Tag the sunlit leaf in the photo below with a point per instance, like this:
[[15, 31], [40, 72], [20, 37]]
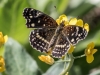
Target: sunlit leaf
[[18, 61]]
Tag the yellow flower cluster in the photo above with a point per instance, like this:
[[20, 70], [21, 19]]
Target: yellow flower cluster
[[47, 59], [3, 39], [2, 64], [72, 21]]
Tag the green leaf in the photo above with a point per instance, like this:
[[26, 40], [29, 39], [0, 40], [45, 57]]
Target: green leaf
[[18, 61], [61, 66], [80, 10], [12, 21], [0, 74], [56, 69], [62, 5]]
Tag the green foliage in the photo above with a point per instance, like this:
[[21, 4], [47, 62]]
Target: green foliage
[[11, 20], [18, 61], [25, 62]]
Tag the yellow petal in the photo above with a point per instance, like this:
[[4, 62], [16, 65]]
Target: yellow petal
[[90, 45], [86, 26], [42, 57], [2, 64], [88, 51], [1, 39], [1, 34], [71, 49], [6, 38], [58, 22], [66, 23], [73, 21], [94, 51], [67, 73], [47, 59], [89, 58], [2, 69], [79, 23], [63, 18]]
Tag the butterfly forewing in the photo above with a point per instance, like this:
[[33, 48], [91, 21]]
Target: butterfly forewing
[[37, 19], [74, 33]]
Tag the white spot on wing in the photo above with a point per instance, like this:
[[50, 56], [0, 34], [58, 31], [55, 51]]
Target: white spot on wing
[[79, 34], [72, 40], [43, 24], [72, 34], [38, 21], [32, 24], [31, 16], [38, 36], [31, 9], [62, 46], [77, 29], [29, 20]]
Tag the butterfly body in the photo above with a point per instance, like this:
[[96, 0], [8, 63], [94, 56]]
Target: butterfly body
[[56, 35], [49, 36]]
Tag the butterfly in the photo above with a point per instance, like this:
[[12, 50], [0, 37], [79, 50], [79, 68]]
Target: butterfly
[[48, 36]]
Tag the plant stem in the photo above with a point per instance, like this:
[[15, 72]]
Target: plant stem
[[69, 65], [65, 63], [62, 61], [79, 56]]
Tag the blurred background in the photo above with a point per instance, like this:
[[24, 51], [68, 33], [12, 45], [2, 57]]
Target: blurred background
[[12, 23]]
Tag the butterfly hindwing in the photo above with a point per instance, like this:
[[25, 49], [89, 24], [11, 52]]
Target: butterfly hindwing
[[40, 38], [61, 48], [37, 19]]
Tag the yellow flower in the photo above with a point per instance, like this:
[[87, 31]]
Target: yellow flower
[[67, 73], [86, 26], [89, 51], [2, 64], [3, 39], [61, 19], [71, 49], [47, 59], [72, 21]]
